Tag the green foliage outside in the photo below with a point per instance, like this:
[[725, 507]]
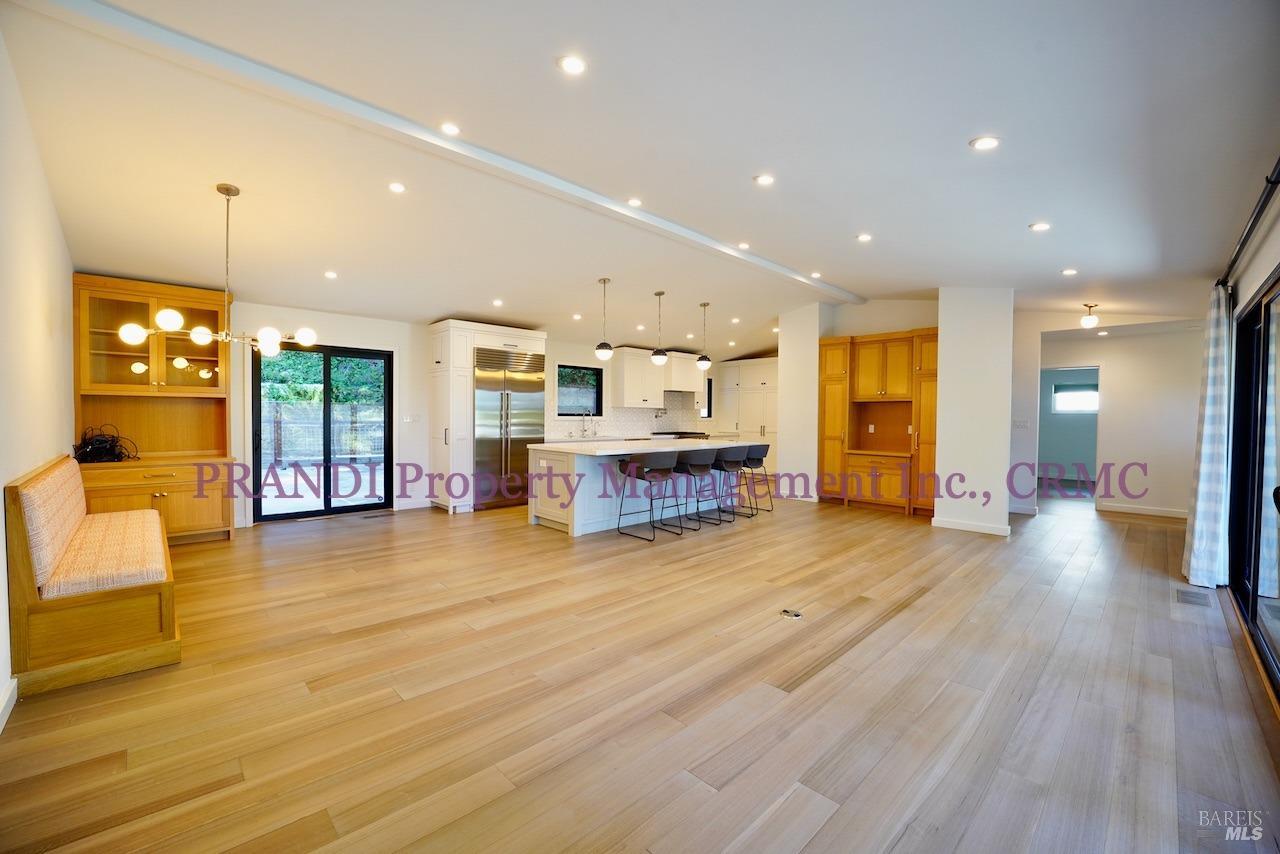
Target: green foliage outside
[[297, 376]]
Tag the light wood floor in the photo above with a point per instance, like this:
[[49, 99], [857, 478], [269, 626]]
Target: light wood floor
[[470, 683]]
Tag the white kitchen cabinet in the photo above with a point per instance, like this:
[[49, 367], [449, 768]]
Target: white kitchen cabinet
[[758, 373], [746, 402], [727, 374], [758, 419], [681, 373], [635, 380], [700, 396]]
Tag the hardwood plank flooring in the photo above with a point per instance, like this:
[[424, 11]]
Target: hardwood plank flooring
[[470, 683]]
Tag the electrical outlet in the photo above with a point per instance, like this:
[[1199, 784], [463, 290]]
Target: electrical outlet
[[871, 428]]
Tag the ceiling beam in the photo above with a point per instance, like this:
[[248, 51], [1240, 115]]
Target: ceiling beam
[[118, 25]]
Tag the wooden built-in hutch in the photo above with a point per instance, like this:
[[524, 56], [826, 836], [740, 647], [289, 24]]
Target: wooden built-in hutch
[[178, 415], [877, 419]]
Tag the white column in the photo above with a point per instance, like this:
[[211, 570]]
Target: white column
[[975, 386], [799, 331]]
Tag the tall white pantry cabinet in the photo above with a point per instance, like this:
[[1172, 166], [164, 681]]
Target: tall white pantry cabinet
[[451, 378], [745, 403]]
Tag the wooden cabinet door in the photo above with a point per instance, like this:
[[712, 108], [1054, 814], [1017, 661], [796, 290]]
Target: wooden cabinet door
[[926, 354], [107, 363], [897, 370], [185, 512], [119, 500], [833, 415], [924, 461], [185, 367], [868, 370], [833, 360]]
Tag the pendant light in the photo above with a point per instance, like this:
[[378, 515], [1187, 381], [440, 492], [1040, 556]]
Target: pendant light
[[268, 339], [704, 361], [604, 352], [1089, 320], [659, 356]]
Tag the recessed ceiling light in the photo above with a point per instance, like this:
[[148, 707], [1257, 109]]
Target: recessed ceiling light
[[864, 238], [776, 329], [572, 65], [450, 129], [329, 274], [497, 303], [634, 202], [984, 143], [1070, 271], [577, 317], [744, 245], [765, 180], [639, 327], [736, 320], [733, 343], [815, 275], [1104, 332], [396, 187], [1039, 226], [688, 336]]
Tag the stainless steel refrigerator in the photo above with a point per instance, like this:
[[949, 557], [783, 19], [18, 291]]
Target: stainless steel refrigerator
[[509, 408]]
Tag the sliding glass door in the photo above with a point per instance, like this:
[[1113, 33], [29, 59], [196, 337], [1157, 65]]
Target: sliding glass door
[[1255, 474], [322, 432]]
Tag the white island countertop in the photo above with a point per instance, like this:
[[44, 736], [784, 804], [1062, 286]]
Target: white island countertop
[[625, 447]]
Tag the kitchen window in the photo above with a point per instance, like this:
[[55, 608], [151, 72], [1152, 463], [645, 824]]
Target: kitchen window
[[579, 390]]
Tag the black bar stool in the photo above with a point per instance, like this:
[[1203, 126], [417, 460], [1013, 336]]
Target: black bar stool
[[696, 465], [653, 470], [729, 462], [755, 463]]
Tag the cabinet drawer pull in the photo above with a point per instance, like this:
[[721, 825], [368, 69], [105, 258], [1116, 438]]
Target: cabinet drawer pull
[[165, 474], [155, 495]]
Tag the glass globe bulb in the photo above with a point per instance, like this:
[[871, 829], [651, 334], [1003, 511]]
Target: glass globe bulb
[[180, 362], [604, 352], [139, 367], [658, 357], [704, 363], [205, 373], [269, 349], [269, 334], [201, 335], [168, 319], [306, 336], [1088, 321], [133, 333]]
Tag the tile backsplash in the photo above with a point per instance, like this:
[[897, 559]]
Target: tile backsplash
[[626, 422]]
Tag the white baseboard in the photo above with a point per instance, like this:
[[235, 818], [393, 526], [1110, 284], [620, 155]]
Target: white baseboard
[[8, 698], [1141, 510], [975, 527], [1024, 509]]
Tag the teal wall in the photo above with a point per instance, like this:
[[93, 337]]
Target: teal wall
[[1067, 438]]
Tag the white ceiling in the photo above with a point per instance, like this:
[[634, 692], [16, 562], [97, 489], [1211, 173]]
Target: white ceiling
[[1140, 129]]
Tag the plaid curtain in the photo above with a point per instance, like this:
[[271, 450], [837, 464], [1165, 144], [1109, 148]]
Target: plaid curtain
[[1204, 561]]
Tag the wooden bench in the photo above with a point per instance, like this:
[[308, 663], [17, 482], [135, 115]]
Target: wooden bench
[[90, 594]]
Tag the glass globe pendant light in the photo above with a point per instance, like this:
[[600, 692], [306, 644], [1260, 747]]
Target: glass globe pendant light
[[659, 356], [1089, 320], [704, 361], [604, 352]]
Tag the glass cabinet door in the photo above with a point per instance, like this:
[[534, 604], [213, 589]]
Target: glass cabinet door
[[107, 362], [190, 367]]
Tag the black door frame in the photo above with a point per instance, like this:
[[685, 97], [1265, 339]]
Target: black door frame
[[388, 435], [1249, 400]]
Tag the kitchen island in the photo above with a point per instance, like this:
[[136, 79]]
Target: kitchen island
[[575, 486]]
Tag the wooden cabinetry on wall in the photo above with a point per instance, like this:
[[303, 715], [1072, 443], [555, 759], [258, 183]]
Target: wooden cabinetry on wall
[[167, 395], [877, 408]]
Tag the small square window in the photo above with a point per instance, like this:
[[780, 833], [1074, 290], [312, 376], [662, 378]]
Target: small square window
[[579, 390], [1075, 397]]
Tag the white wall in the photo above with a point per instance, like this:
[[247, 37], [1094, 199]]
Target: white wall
[[408, 345], [798, 334], [1028, 327], [35, 325], [883, 315], [1149, 387], [618, 422], [975, 386]]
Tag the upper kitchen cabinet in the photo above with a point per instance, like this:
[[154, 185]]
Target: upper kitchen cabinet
[[758, 373], [681, 373], [636, 381], [926, 347], [882, 368]]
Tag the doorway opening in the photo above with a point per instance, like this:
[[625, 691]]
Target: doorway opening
[[1067, 452], [321, 432]]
